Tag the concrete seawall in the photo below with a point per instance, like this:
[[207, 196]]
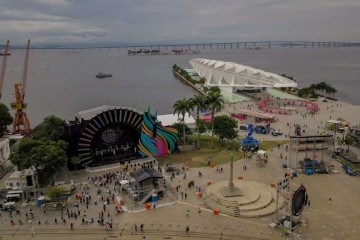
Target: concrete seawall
[[188, 82]]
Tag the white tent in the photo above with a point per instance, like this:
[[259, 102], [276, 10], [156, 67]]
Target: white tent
[[261, 152], [170, 119]]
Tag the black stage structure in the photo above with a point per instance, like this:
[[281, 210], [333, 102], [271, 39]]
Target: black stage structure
[[103, 135]]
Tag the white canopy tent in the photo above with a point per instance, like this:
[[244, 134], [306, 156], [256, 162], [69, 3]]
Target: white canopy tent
[[170, 119]]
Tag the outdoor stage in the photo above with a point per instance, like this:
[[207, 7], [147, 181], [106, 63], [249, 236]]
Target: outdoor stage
[[111, 134]]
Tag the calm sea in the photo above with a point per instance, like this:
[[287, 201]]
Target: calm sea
[[64, 84]]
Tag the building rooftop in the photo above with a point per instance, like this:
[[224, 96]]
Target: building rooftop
[[220, 73], [144, 174], [91, 113], [170, 119], [23, 173]]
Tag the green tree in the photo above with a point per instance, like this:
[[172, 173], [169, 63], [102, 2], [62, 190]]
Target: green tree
[[198, 101], [45, 156], [349, 140], [179, 127], [5, 118], [224, 127], [215, 89], [58, 193], [202, 125], [76, 161], [52, 128], [181, 108], [216, 103]]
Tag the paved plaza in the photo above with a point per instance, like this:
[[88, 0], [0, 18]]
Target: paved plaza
[[327, 220]]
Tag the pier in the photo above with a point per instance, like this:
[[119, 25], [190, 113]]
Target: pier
[[188, 82], [209, 46]]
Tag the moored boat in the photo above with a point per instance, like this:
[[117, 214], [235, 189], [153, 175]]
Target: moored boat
[[103, 75]]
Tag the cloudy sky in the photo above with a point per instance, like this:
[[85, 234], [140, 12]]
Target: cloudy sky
[[177, 21]]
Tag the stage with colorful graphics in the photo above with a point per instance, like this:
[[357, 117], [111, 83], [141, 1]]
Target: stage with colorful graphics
[[111, 134]]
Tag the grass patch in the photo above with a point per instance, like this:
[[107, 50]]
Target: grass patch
[[219, 154], [355, 166]]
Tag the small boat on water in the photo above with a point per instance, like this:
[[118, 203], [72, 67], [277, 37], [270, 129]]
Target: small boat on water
[[103, 75]]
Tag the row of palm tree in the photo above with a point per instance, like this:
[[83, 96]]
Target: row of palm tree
[[213, 101], [324, 87], [313, 90]]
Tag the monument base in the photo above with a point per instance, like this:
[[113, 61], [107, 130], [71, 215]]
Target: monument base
[[233, 192]]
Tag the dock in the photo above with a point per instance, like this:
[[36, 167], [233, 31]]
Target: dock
[[189, 83]]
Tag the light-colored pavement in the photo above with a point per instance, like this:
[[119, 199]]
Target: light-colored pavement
[[326, 221]]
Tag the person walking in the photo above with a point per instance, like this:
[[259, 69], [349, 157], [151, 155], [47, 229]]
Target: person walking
[[142, 227], [330, 199], [188, 213], [72, 226], [187, 229], [309, 203]]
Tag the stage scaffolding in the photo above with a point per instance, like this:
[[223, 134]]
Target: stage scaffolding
[[313, 147]]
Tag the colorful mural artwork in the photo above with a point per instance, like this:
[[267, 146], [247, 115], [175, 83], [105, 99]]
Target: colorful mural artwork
[[156, 140]]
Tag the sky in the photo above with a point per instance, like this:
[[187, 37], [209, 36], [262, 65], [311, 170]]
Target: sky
[[62, 22]]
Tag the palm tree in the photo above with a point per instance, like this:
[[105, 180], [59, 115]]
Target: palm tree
[[181, 107], [198, 101], [215, 102]]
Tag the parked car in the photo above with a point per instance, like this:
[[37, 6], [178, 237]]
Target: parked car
[[349, 171], [276, 133]]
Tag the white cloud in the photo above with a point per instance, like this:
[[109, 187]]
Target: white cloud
[[173, 21], [54, 2]]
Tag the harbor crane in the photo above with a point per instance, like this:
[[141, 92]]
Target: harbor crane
[[2, 74], [21, 122]]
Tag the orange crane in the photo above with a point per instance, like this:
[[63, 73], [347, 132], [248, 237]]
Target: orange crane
[[2, 74], [21, 122]]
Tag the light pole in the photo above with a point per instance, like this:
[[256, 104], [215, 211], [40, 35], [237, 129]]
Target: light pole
[[32, 229]]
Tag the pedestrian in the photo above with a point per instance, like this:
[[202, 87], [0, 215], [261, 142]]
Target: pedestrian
[[72, 226], [330, 199], [182, 194], [187, 229], [245, 167], [142, 227], [309, 202], [188, 213], [144, 238], [185, 196]]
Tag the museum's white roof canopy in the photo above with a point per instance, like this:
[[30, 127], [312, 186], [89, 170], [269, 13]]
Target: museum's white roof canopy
[[220, 73]]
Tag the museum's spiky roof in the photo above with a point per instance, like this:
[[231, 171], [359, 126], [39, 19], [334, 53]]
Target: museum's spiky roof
[[220, 73]]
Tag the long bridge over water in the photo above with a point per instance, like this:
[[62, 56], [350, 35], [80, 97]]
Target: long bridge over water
[[218, 45]]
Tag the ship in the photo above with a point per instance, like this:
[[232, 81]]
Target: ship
[[103, 75]]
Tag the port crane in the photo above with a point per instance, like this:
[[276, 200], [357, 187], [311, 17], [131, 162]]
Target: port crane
[[21, 122], [2, 74]]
